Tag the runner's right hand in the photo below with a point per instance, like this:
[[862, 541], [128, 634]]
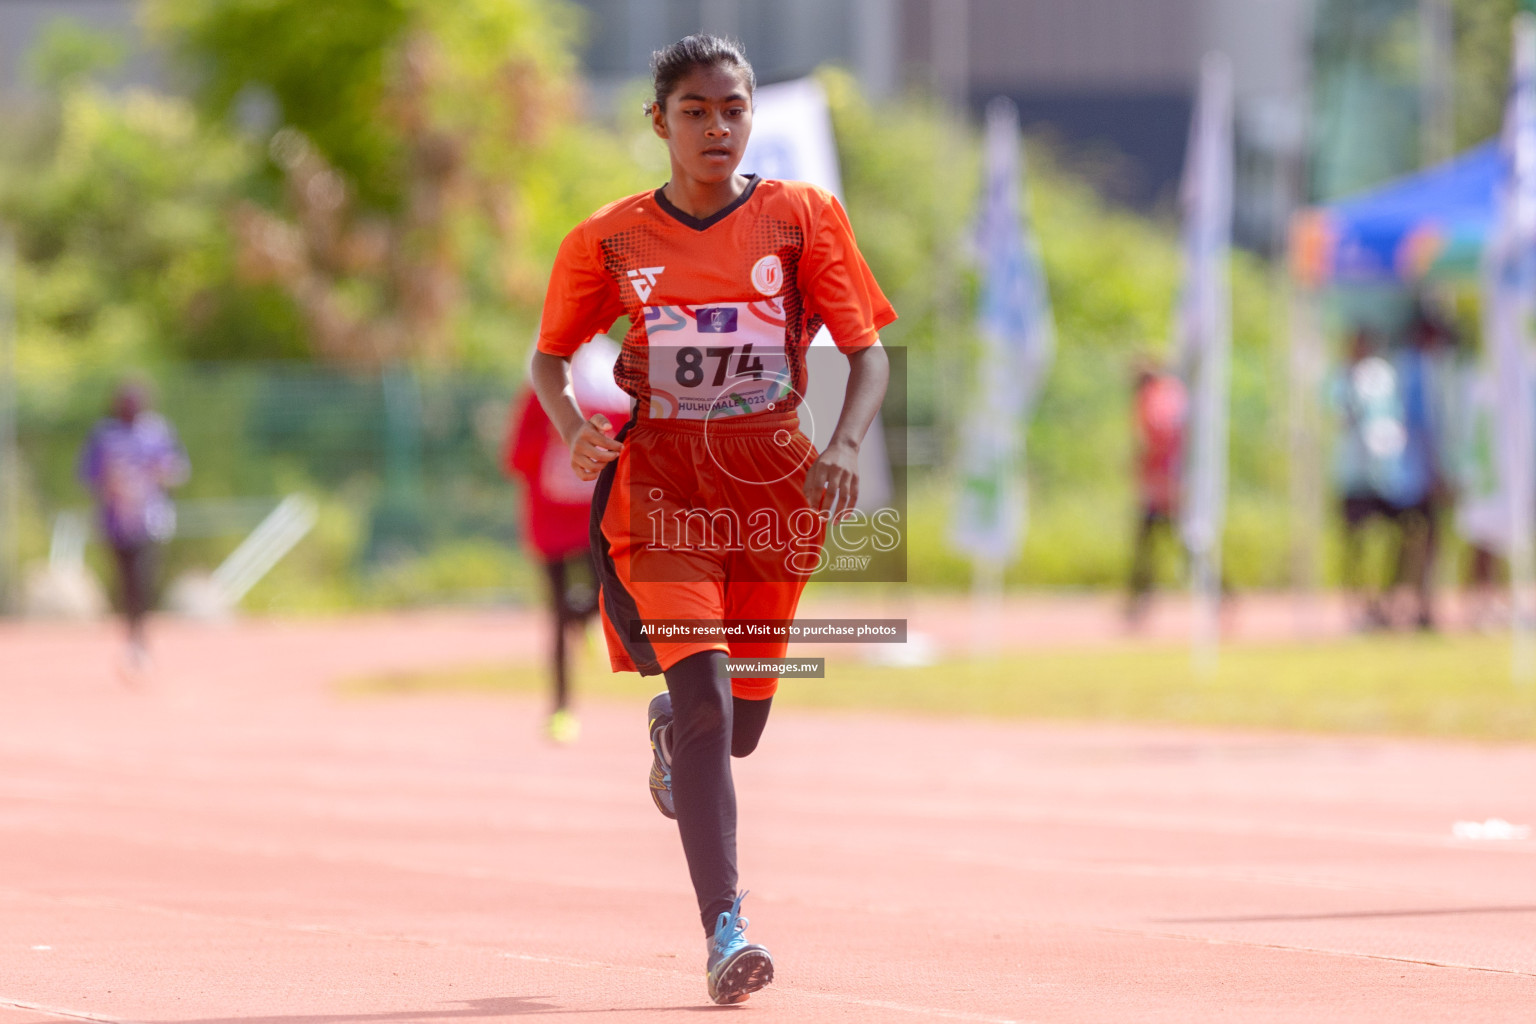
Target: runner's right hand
[[592, 447]]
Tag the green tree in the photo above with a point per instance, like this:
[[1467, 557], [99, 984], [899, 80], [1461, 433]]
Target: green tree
[[1481, 81], [404, 137], [70, 52], [116, 201]]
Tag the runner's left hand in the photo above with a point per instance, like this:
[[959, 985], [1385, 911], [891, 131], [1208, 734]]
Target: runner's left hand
[[832, 484]]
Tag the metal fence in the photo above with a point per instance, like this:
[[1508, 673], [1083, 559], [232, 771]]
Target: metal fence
[[412, 458]]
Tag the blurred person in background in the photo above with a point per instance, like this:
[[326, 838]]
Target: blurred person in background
[[1421, 367], [1160, 410], [1367, 465], [556, 507], [129, 462]]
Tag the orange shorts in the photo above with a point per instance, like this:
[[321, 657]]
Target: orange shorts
[[704, 520]]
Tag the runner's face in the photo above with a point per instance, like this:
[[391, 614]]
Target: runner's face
[[706, 122]]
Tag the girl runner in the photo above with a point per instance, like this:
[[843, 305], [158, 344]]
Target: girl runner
[[710, 502]]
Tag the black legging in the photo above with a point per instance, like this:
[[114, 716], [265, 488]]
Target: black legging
[[1141, 555], [706, 731], [1417, 546], [573, 598], [136, 577]]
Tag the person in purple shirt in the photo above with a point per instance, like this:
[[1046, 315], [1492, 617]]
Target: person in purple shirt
[[130, 460]]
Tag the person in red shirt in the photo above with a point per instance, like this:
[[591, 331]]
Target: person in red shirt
[[711, 503], [556, 506], [1160, 409]]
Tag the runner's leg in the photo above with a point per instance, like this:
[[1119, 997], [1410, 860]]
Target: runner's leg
[[554, 572], [748, 719], [136, 566], [702, 788], [1140, 586]]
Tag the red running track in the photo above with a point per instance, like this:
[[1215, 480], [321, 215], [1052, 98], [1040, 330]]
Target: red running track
[[241, 844]]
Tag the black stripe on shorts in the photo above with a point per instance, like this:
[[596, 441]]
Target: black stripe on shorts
[[618, 603]]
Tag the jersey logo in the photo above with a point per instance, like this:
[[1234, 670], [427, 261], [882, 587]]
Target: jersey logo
[[768, 275], [644, 280]]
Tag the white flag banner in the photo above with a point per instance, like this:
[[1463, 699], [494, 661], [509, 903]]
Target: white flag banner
[[792, 136], [792, 140], [1482, 507], [1509, 302], [1204, 335], [1018, 342]]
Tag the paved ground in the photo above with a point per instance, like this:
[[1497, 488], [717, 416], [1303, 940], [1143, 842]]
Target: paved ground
[[240, 844]]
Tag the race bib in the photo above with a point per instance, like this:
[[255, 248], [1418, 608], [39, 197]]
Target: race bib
[[723, 359]]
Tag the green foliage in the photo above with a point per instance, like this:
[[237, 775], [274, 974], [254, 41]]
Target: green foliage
[[1481, 80], [402, 133], [1420, 686], [323, 64], [911, 177], [338, 72], [68, 52], [1367, 55], [1364, 107], [124, 254], [582, 165]]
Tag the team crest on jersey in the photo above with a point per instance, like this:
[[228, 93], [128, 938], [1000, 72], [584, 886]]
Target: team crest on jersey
[[768, 275], [643, 281]]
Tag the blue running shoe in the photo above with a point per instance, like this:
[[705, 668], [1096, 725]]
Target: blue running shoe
[[659, 717], [736, 967]]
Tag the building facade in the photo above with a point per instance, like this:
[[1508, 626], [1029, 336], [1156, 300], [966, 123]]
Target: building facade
[[1116, 75]]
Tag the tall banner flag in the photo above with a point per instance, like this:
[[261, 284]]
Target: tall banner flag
[[1204, 340], [1018, 341], [792, 135], [792, 140], [1509, 286]]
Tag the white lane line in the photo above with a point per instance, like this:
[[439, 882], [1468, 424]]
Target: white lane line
[[319, 929], [353, 857], [54, 1011], [900, 911], [1211, 940], [436, 943], [879, 1004]]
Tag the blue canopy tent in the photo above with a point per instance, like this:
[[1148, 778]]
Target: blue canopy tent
[[1423, 227]]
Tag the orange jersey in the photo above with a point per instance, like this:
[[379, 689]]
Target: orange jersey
[[721, 309]]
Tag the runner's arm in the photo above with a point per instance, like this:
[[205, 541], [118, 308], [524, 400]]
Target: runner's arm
[[834, 477], [591, 447]]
